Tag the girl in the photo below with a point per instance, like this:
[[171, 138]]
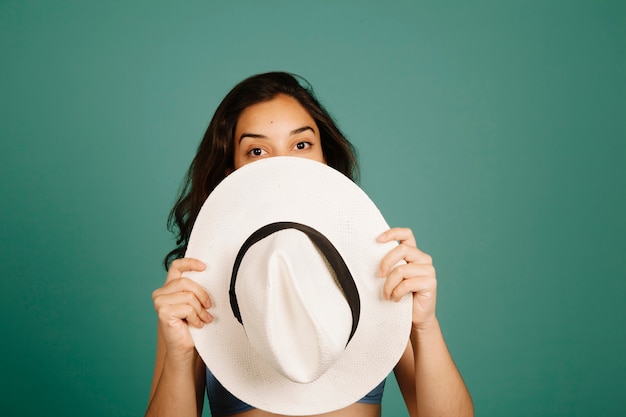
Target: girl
[[270, 115]]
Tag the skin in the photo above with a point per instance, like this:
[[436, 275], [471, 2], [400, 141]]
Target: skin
[[281, 127]]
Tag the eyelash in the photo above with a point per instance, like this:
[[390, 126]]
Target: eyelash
[[250, 153]]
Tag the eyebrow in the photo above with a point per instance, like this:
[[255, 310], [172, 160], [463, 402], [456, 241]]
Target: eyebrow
[[293, 132]]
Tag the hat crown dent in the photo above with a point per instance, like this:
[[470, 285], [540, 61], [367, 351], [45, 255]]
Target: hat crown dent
[[294, 313]]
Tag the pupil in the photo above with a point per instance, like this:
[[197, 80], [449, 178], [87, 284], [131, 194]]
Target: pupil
[[256, 152], [300, 145]]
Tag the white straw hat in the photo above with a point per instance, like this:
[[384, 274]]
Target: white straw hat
[[300, 323]]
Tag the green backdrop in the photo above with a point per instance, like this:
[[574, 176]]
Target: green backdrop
[[495, 129]]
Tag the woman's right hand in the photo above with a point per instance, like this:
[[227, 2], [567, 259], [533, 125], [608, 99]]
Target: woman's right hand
[[181, 302]]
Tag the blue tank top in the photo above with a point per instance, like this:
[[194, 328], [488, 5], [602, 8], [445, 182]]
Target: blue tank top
[[223, 403]]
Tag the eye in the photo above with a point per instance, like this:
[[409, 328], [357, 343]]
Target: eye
[[256, 152], [303, 145]]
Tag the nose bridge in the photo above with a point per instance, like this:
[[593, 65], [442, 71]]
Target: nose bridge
[[280, 147], [280, 152]]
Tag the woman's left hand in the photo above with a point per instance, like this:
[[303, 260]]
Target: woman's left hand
[[417, 276]]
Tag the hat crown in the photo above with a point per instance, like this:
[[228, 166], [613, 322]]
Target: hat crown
[[294, 313]]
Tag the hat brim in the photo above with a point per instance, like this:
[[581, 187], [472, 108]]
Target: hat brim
[[307, 192]]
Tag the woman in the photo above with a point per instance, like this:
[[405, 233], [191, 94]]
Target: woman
[[273, 115]]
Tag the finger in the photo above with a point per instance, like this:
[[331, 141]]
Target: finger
[[401, 234], [183, 297], [421, 286], [173, 314], [396, 285], [181, 265], [184, 285], [402, 252]]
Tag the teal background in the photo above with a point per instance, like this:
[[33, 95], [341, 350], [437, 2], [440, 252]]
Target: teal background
[[495, 129]]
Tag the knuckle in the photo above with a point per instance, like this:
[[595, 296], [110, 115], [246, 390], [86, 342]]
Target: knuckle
[[185, 282], [177, 282], [394, 276], [172, 274], [433, 282], [407, 248], [188, 311], [159, 301], [399, 291], [190, 297], [162, 313], [176, 268], [176, 263]]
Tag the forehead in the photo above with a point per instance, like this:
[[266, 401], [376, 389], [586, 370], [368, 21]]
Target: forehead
[[281, 109]]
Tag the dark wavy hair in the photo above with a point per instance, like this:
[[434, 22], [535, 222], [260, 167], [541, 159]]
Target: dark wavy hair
[[215, 156]]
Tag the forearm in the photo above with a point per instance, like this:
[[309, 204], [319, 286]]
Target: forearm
[[176, 391], [440, 390]]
